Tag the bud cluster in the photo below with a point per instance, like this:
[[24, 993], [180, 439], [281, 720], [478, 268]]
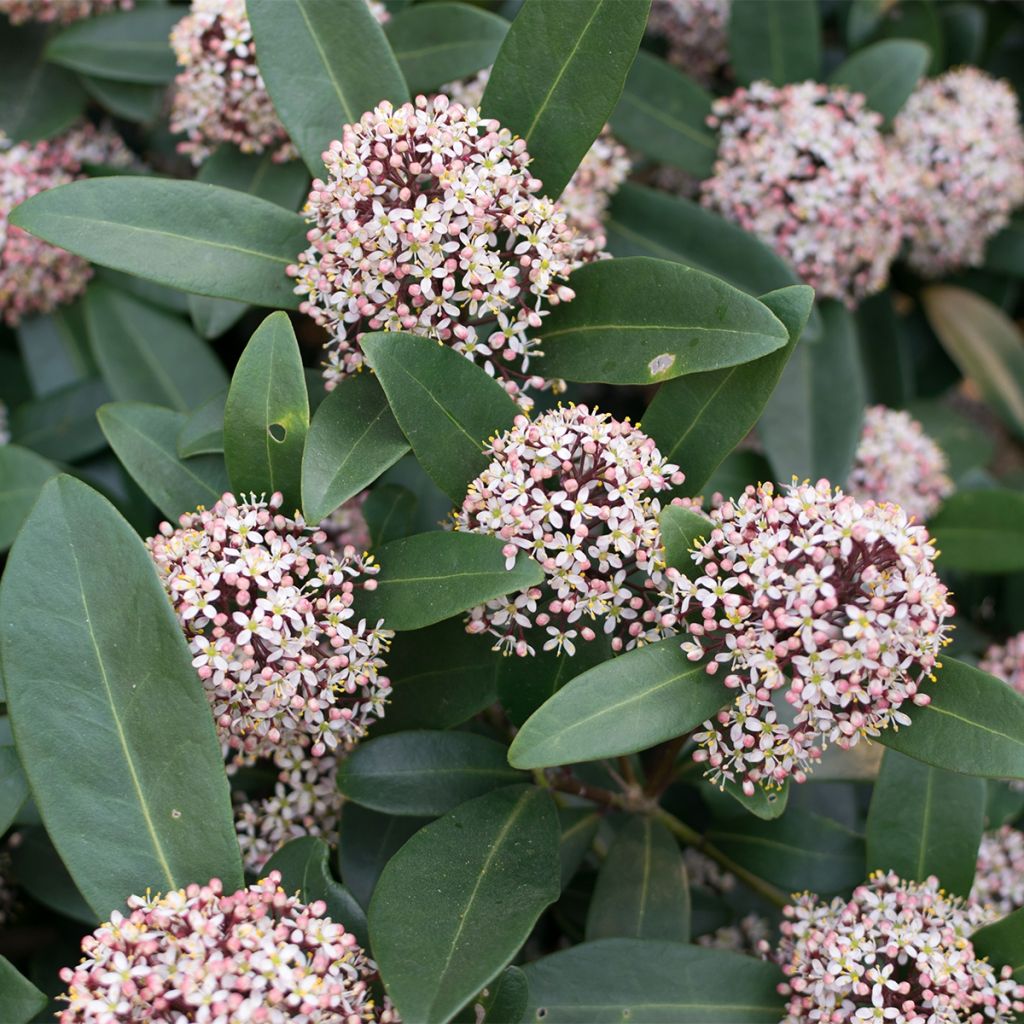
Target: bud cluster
[[999, 875], [62, 11], [696, 34]]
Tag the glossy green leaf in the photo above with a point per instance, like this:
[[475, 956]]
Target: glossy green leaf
[[579, 826], [925, 821], [737, 471], [55, 349], [698, 419], [144, 438], [917, 19], [964, 27], [981, 531], [202, 431], [775, 40], [886, 73], [502, 1002], [640, 321], [974, 724], [22, 475], [765, 804], [389, 511], [558, 76], [13, 784], [171, 299], [663, 114], [432, 576], [41, 873], [681, 528], [439, 936], [810, 428], [267, 414], [885, 351], [446, 405], [139, 799], [650, 982], [438, 44], [1003, 943], [352, 439], [127, 100], [641, 890], [325, 63], [966, 444], [624, 705], [424, 774], [199, 238], [20, 1000], [126, 46], [1005, 252], [62, 425]]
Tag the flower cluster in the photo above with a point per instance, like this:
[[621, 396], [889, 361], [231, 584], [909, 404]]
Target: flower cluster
[[897, 461], [999, 875], [574, 490], [895, 952], [429, 222], [696, 34], [63, 11], [274, 627], [36, 277], [959, 137], [745, 935], [811, 596], [805, 168], [1006, 662], [197, 954]]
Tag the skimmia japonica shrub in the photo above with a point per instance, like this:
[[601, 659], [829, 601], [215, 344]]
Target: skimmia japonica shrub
[[511, 512]]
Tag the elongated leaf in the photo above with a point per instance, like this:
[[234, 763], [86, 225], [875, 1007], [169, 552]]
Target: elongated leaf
[[925, 821], [325, 63], [267, 414], [139, 799], [352, 439], [389, 511], [40, 872], [765, 804], [424, 774], [1003, 943], [663, 114], [920, 20], [680, 529], [127, 46], [20, 1000], [202, 431], [127, 100], [432, 576], [62, 425], [446, 41], [885, 352], [811, 428], [22, 475], [775, 40], [144, 439], [579, 826], [439, 937], [886, 73], [622, 706], [640, 321], [641, 890], [501, 1001], [13, 784], [963, 27], [199, 238], [55, 349], [558, 76], [1005, 252], [974, 724], [698, 419], [981, 531], [652, 983]]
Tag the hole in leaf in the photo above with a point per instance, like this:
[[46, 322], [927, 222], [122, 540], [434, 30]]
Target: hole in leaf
[[277, 432]]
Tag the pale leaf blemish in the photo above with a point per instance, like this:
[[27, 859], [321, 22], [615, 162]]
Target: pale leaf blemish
[[659, 364]]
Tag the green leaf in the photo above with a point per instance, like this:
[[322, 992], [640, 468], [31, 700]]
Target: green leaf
[[144, 438], [432, 576], [810, 427], [698, 419], [640, 321], [559, 75], [579, 826], [62, 425], [985, 344], [663, 114], [965, 442], [22, 475], [424, 774], [20, 1000], [650, 982], [128, 100], [352, 439], [641, 890], [925, 821], [446, 405], [1003, 943], [885, 351], [737, 471], [681, 528], [501, 1002], [764, 804], [146, 355], [886, 73], [41, 873], [325, 63], [981, 531], [267, 414], [775, 40], [13, 784], [389, 511], [439, 936], [202, 431], [126, 46], [1005, 252], [305, 871], [138, 799], [624, 705], [974, 724], [917, 19], [437, 44], [199, 238], [964, 27], [55, 349]]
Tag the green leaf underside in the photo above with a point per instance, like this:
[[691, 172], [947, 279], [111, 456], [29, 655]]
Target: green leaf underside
[[886, 73], [139, 799], [981, 531], [22, 475], [777, 40], [20, 1000]]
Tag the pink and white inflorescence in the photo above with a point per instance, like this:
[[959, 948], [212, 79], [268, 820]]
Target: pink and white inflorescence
[[896, 952], [63, 11], [197, 954], [36, 277], [429, 222], [1006, 662], [696, 33], [347, 525], [810, 596], [805, 168], [574, 490], [999, 875], [274, 626], [960, 140], [897, 461]]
